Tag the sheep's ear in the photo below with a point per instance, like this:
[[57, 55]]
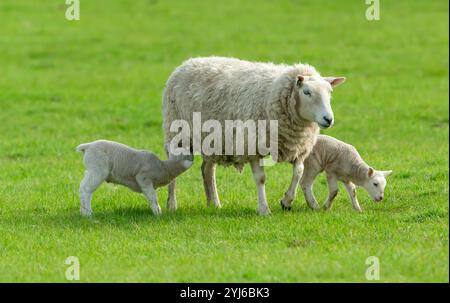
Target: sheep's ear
[[370, 172], [334, 81], [386, 173], [300, 80]]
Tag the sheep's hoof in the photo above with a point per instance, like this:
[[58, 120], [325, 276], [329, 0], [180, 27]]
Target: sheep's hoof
[[171, 205], [284, 207]]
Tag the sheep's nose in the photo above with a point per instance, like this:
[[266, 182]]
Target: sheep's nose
[[329, 120]]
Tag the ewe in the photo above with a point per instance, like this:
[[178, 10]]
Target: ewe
[[139, 170], [231, 89], [341, 162]]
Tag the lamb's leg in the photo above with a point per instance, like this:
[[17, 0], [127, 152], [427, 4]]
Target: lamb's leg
[[333, 189], [209, 182], [306, 184], [351, 190], [289, 196], [260, 179], [171, 197], [152, 198], [91, 181]]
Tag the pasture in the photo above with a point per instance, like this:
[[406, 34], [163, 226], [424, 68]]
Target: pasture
[[67, 82]]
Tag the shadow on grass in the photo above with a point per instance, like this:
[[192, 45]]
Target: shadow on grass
[[125, 216], [141, 215], [132, 216]]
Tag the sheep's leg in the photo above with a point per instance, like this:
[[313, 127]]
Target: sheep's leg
[[209, 182], [171, 197], [88, 185], [306, 184], [260, 179], [333, 189], [351, 190], [206, 175], [289, 196]]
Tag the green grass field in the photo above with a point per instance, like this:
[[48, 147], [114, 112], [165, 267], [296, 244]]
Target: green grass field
[[63, 83]]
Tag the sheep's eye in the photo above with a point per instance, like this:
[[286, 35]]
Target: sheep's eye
[[375, 184], [307, 92]]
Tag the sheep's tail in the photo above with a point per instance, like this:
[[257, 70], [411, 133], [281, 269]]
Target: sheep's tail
[[82, 147]]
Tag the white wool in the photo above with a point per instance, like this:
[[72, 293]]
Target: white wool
[[231, 89], [139, 170], [341, 162]]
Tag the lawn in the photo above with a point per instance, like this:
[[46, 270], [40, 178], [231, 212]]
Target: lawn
[[67, 82]]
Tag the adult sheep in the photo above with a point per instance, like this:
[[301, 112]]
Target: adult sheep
[[232, 89]]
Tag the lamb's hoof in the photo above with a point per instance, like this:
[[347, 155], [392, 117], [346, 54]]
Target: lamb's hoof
[[157, 212], [264, 212], [85, 212], [215, 205], [284, 207]]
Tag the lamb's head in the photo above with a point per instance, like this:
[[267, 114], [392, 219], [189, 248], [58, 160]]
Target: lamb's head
[[178, 164], [186, 161], [313, 95], [376, 183]]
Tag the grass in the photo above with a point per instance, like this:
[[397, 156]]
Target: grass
[[64, 83]]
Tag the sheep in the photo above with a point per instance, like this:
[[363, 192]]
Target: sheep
[[231, 89], [139, 170], [341, 162]]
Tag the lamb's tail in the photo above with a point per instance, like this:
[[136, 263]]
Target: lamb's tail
[[82, 147]]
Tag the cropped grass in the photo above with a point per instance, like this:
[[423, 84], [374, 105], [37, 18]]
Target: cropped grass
[[63, 83]]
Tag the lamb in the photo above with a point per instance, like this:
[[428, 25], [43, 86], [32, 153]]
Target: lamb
[[231, 89], [139, 170], [341, 162]]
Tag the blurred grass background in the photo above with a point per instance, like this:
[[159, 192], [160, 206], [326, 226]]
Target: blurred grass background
[[63, 83]]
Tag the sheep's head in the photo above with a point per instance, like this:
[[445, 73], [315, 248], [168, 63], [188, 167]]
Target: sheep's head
[[313, 95], [376, 183]]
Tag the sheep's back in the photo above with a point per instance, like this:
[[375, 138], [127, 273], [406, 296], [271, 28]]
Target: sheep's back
[[219, 88], [231, 89]]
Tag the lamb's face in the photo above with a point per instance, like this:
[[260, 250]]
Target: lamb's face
[[187, 163], [315, 95], [376, 183]]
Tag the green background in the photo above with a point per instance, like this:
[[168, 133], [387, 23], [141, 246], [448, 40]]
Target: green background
[[63, 83]]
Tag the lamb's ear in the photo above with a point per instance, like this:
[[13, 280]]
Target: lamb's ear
[[386, 173], [370, 172], [334, 81], [300, 80]]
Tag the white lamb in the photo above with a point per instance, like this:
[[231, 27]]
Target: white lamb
[[230, 89], [341, 162], [139, 170]]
